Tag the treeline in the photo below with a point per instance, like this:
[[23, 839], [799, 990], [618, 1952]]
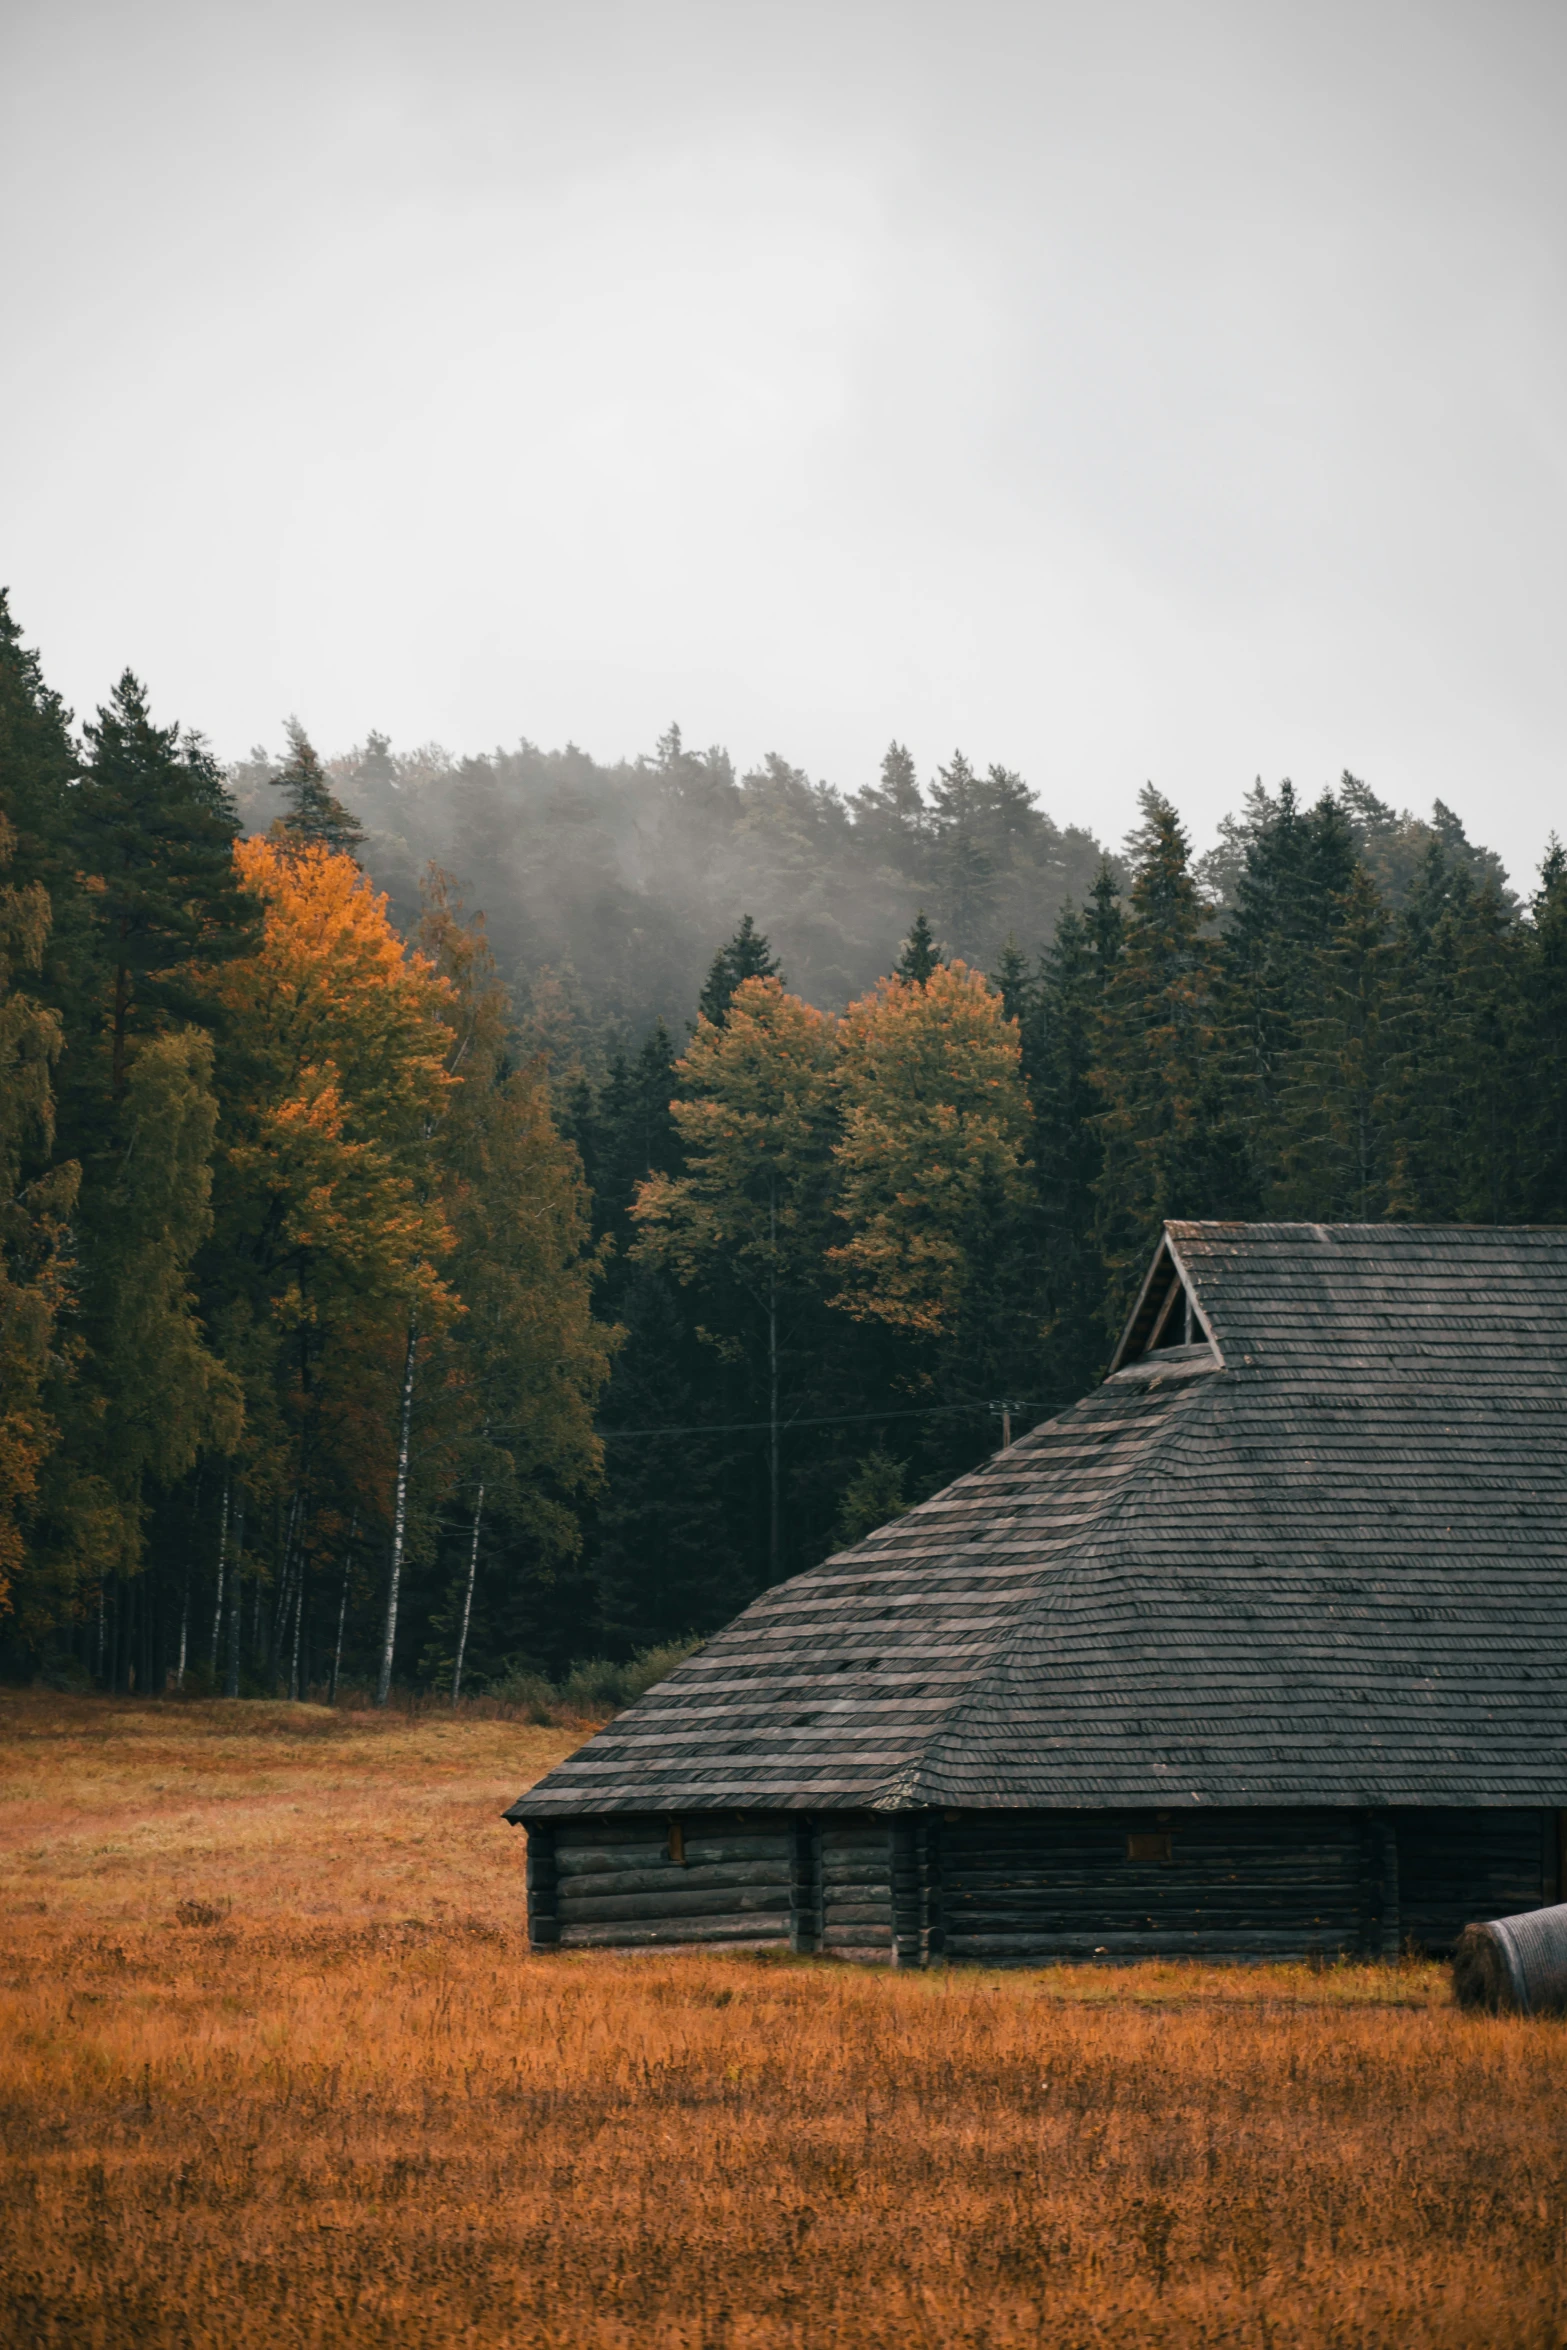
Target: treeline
[[296, 1327], [600, 884], [373, 1311]]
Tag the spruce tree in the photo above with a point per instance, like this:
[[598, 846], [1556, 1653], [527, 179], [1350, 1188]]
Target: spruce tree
[[746, 956], [38, 770], [1061, 1043], [890, 814], [314, 812], [1345, 1145], [919, 955], [155, 831], [36, 1199], [1295, 867], [1543, 1020], [964, 862], [1465, 1064], [1014, 983], [1169, 1149], [660, 1548]]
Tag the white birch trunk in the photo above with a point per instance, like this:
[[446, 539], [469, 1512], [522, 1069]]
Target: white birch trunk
[[467, 1603], [294, 1689], [342, 1608], [217, 1604], [285, 1591], [383, 1687], [236, 1599]]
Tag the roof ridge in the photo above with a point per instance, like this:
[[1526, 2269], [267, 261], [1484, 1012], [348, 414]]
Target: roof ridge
[[903, 1789]]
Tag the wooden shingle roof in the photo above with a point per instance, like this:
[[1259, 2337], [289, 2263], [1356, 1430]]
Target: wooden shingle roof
[[1312, 1549]]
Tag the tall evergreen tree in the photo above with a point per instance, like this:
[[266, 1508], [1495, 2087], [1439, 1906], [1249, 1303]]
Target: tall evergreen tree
[[1543, 1019], [919, 957], [1061, 1048], [1462, 976], [1345, 1155], [155, 830], [890, 814], [746, 956], [36, 1199], [1168, 1147], [663, 1557], [747, 1221], [963, 853], [314, 814], [1295, 867]]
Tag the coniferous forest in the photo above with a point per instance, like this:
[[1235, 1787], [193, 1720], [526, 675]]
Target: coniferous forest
[[463, 1216]]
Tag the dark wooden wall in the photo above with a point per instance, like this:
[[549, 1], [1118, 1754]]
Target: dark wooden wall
[[617, 1882], [1030, 1887], [1458, 1867]]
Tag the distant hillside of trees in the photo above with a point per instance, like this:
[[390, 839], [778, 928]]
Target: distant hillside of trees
[[393, 1295]]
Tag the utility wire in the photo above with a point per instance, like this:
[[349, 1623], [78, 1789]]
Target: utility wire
[[825, 1420]]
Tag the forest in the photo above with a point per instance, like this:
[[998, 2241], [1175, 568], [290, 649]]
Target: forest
[[466, 1217]]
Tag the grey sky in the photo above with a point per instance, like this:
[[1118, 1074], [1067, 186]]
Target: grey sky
[[1167, 391]]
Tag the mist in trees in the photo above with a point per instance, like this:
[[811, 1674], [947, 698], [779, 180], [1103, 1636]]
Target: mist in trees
[[464, 1215]]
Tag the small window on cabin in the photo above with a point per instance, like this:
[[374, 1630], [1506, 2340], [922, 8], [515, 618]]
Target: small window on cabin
[[1152, 1847], [677, 1843]]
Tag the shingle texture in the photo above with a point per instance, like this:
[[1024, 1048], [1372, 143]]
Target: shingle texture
[[1321, 1559]]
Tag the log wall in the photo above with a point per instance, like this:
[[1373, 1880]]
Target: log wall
[[1458, 1868], [1031, 1887], [1018, 1887], [619, 1883]]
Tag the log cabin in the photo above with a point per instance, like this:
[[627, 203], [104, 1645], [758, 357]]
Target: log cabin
[[1259, 1651]]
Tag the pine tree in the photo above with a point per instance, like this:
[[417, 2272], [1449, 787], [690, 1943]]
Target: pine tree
[[919, 957], [1345, 1151], [890, 814], [1168, 1150], [38, 772], [1543, 1018], [36, 1200], [964, 859], [663, 1558], [1465, 1064], [155, 830], [747, 1220], [747, 956], [314, 814], [1294, 867], [513, 1380], [1061, 1046], [1014, 983]]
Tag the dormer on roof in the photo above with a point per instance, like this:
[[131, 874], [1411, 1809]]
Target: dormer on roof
[[1167, 1316]]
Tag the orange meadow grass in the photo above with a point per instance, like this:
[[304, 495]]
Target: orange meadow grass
[[355, 2110]]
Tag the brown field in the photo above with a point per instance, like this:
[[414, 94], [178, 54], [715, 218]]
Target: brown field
[[353, 2109]]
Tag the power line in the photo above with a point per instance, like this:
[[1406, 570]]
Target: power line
[[822, 1420]]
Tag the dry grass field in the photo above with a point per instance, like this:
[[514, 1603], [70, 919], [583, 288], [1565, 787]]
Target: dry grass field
[[276, 2068]]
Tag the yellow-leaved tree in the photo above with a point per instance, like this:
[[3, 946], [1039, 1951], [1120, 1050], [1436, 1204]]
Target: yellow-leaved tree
[[931, 1154], [333, 1234]]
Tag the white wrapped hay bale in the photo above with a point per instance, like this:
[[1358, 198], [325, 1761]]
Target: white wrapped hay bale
[[1514, 1966]]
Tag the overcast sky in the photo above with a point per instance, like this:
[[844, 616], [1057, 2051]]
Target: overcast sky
[[1122, 391]]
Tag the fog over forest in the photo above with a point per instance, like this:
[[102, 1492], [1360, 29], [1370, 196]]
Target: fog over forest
[[606, 889]]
